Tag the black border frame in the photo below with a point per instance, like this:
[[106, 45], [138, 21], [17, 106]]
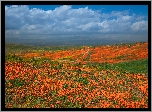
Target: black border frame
[[3, 3]]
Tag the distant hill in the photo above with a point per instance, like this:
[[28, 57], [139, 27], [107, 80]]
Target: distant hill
[[66, 42]]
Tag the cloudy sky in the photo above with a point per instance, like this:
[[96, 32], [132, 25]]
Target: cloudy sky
[[120, 22]]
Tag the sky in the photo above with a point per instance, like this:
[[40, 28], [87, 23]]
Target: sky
[[116, 22]]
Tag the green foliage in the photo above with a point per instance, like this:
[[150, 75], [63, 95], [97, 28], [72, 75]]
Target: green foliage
[[58, 66], [16, 82], [66, 103], [37, 62], [34, 101], [83, 80], [121, 57], [65, 86], [13, 58], [115, 103], [52, 93], [135, 98], [15, 48], [137, 66], [67, 58]]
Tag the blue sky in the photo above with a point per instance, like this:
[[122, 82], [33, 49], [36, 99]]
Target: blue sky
[[107, 8], [128, 22]]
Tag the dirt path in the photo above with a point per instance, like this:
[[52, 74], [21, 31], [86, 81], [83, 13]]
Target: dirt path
[[83, 55], [78, 59]]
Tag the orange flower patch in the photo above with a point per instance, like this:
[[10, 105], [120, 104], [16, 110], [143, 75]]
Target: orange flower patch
[[71, 76]]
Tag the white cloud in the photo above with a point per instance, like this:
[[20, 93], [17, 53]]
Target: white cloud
[[115, 25], [14, 6], [6, 8], [126, 18], [64, 20], [140, 26], [139, 18], [115, 14], [104, 26], [86, 26]]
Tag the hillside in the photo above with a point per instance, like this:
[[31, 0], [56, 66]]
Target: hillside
[[108, 76]]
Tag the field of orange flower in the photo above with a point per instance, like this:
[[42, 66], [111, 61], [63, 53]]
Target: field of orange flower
[[113, 76]]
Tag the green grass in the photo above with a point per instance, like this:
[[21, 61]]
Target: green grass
[[137, 66], [83, 80], [16, 48]]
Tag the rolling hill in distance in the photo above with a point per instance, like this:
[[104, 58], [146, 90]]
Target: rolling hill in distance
[[66, 42]]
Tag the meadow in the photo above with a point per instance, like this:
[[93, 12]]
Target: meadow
[[108, 76]]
